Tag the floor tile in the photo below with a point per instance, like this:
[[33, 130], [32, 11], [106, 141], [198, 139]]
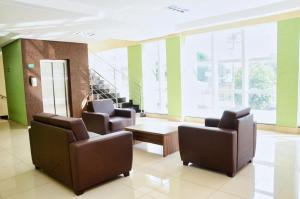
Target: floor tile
[[274, 172], [180, 189], [111, 190], [222, 195], [48, 191], [23, 182]]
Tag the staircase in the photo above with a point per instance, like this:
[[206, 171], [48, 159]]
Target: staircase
[[101, 88]]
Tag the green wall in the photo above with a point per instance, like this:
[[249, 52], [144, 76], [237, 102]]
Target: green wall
[[14, 79], [287, 72], [174, 76], [135, 75]]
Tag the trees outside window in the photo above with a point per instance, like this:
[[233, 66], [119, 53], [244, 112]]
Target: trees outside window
[[229, 69]]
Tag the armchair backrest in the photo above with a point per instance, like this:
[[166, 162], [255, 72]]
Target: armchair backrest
[[76, 125], [230, 117], [101, 106]]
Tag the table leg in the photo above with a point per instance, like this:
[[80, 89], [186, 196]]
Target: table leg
[[170, 144]]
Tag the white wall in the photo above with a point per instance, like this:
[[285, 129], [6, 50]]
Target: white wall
[[3, 103]]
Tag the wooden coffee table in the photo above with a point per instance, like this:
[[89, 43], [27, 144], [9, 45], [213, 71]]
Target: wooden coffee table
[[161, 134]]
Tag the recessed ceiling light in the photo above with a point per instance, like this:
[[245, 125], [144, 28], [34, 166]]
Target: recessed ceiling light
[[177, 9], [84, 34]]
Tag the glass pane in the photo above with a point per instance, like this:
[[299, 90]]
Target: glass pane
[[230, 85], [47, 87], [262, 90], [198, 76], [266, 36], [227, 69], [262, 66], [228, 44], [113, 66], [154, 77], [59, 80]]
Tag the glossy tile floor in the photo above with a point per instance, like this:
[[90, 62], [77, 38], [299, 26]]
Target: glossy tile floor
[[273, 174]]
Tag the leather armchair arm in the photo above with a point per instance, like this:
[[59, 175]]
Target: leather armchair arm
[[96, 122], [208, 146], [100, 158], [125, 112], [212, 122]]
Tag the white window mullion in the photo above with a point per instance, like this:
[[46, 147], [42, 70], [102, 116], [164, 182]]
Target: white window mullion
[[215, 75], [245, 71]]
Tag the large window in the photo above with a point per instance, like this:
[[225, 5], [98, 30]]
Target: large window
[[113, 66], [154, 77], [232, 68]]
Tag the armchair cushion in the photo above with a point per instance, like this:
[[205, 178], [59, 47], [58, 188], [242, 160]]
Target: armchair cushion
[[101, 106], [228, 120], [118, 123]]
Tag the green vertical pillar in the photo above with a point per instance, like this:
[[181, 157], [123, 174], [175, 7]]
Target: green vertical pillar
[[287, 72], [135, 76], [14, 79], [174, 76]]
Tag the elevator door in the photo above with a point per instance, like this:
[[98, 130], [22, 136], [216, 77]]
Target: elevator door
[[54, 80]]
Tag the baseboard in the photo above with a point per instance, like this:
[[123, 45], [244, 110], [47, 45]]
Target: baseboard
[[280, 129], [164, 116], [263, 127]]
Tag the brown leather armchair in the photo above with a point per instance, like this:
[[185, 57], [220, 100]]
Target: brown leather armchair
[[101, 117], [224, 145], [64, 149]]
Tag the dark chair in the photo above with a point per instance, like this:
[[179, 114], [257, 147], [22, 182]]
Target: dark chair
[[64, 149], [102, 117], [224, 145]]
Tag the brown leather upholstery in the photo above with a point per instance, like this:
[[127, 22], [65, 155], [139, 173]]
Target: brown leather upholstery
[[228, 119], [224, 145], [59, 149], [101, 106], [103, 118], [118, 123], [212, 122]]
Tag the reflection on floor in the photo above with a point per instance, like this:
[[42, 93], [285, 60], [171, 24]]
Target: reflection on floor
[[273, 174]]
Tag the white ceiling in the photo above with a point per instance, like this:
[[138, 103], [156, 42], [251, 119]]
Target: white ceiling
[[123, 19]]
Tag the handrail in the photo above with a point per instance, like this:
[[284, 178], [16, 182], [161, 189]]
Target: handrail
[[111, 66], [111, 84], [132, 83]]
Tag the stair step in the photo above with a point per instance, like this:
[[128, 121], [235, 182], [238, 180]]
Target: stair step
[[126, 105], [120, 100]]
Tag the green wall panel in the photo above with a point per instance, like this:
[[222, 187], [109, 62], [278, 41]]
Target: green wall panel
[[174, 76], [287, 72], [135, 73], [14, 79]]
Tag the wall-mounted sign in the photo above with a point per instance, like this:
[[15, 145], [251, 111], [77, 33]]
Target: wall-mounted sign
[[31, 66], [33, 81]]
